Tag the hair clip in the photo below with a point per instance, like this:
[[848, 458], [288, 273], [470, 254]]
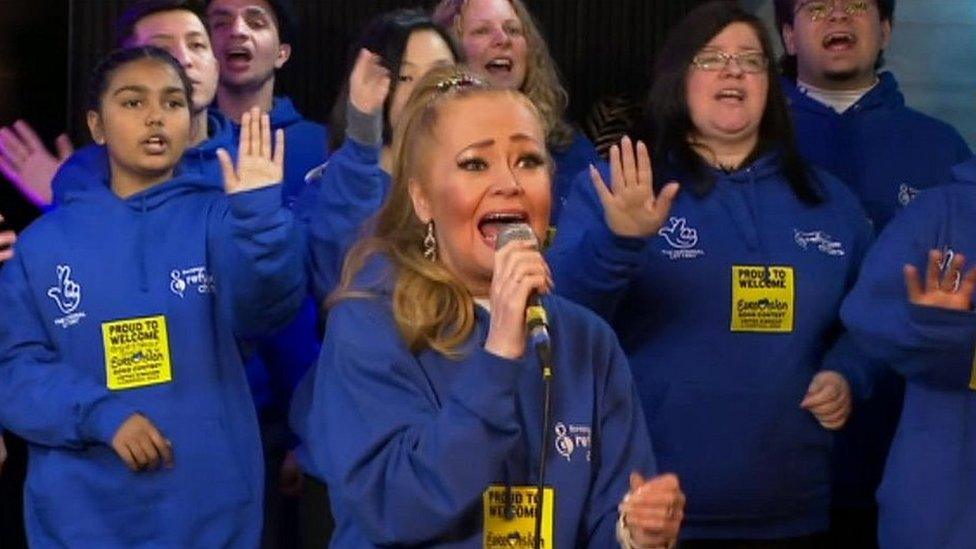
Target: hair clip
[[459, 81]]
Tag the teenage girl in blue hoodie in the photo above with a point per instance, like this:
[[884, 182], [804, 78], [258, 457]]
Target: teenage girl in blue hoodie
[[925, 330], [727, 305], [426, 416], [118, 361]]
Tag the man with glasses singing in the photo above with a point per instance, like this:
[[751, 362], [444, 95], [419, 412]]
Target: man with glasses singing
[[852, 120]]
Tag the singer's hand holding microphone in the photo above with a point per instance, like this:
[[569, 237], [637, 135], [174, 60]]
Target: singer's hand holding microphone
[[520, 271]]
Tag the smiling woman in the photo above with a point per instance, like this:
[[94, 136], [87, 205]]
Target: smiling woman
[[694, 299]]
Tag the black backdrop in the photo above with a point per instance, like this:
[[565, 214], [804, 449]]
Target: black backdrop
[[601, 46]]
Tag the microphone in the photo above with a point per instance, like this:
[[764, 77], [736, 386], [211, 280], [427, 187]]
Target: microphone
[[535, 315]]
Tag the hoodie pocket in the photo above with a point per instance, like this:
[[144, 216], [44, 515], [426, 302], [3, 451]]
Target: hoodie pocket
[[91, 496], [741, 452]]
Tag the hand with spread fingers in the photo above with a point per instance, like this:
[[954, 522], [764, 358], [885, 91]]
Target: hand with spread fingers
[[369, 83], [27, 163], [629, 205], [945, 286], [829, 399], [141, 446], [651, 512], [257, 166]]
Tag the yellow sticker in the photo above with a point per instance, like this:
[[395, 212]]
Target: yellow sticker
[[510, 516], [136, 352], [762, 298]]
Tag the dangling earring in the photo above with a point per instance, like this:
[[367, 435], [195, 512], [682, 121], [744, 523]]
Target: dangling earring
[[430, 242]]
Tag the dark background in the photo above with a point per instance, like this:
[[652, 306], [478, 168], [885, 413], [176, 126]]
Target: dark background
[[49, 47]]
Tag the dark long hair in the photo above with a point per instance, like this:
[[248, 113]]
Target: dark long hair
[[385, 35], [786, 13], [118, 58], [668, 120]]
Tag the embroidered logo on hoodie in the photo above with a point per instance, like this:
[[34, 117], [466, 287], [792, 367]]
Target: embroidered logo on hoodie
[[681, 238], [823, 242], [182, 279], [570, 438], [67, 295], [906, 194]]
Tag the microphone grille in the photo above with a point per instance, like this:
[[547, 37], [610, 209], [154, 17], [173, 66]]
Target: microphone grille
[[515, 231]]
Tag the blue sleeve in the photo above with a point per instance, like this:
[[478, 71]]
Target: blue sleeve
[[43, 398], [624, 447], [926, 345], [404, 462], [844, 356], [260, 264], [335, 208], [591, 265]]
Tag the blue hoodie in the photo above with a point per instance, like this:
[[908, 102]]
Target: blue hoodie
[[928, 495], [408, 442], [569, 162], [90, 164], [886, 153], [343, 194], [723, 406], [210, 269], [306, 146]]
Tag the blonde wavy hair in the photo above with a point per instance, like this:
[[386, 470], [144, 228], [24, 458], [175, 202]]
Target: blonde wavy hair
[[431, 306], [542, 84]]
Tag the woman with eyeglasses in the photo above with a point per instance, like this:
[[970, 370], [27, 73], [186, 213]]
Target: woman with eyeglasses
[[725, 296]]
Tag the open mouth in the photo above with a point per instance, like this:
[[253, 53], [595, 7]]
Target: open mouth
[[492, 224], [238, 57], [731, 95], [839, 41], [155, 144], [500, 65]]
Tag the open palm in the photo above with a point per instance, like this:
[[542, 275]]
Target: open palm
[[257, 165], [629, 205]]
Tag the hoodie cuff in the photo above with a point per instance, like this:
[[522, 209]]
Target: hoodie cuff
[[255, 202], [487, 388], [364, 128], [617, 250], [105, 418]]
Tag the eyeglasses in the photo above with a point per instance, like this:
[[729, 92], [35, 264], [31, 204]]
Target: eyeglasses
[[751, 61], [818, 10]]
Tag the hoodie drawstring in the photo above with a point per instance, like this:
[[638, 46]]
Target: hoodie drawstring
[[141, 246]]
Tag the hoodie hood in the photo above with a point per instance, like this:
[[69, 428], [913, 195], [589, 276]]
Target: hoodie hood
[[965, 172], [283, 113], [89, 166], [885, 94]]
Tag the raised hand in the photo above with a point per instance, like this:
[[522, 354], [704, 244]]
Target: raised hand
[[141, 446], [951, 290], [520, 270], [829, 399], [257, 167], [652, 510], [629, 205], [28, 164], [369, 83]]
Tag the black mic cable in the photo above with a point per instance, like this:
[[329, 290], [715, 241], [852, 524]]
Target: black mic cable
[[537, 324]]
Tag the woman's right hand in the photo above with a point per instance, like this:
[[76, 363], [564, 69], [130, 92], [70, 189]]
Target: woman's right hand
[[629, 205], [519, 270], [369, 83], [141, 446], [951, 290]]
